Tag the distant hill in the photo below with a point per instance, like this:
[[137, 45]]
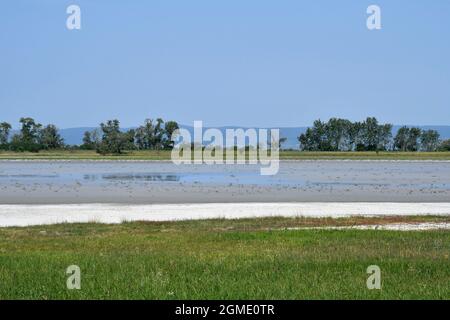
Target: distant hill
[[75, 135]]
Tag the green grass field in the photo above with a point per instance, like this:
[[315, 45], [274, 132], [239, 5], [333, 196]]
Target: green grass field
[[165, 155], [225, 259]]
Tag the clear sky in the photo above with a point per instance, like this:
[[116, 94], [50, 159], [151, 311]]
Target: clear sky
[[226, 62]]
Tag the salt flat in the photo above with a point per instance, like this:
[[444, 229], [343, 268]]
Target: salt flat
[[25, 215]]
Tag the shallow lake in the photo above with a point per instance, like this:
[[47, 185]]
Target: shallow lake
[[23, 182]]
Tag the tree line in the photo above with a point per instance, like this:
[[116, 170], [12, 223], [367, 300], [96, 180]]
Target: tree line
[[109, 138], [152, 135], [334, 135], [33, 136], [369, 135]]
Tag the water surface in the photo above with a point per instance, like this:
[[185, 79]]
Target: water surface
[[23, 182]]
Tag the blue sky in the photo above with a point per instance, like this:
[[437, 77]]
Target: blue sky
[[234, 62]]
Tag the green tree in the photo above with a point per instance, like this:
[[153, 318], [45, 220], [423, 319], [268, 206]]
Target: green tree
[[145, 135], [445, 145], [429, 140], [159, 134], [155, 135], [28, 138], [169, 129], [5, 129], [88, 144], [384, 136], [355, 136], [91, 140], [49, 138], [129, 137], [337, 132], [306, 141], [413, 139], [316, 138], [401, 139], [30, 130], [342, 134], [321, 136], [407, 139], [370, 134], [113, 140]]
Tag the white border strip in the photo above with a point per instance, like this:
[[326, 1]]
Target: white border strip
[[27, 215]]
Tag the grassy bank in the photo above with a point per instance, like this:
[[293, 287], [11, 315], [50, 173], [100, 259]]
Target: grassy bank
[[220, 259], [165, 155]]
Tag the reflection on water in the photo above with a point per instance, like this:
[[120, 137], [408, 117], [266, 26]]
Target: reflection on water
[[216, 177], [350, 183], [134, 177], [25, 176], [142, 177]]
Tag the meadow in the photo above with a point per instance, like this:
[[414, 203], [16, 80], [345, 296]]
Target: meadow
[[267, 258]]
